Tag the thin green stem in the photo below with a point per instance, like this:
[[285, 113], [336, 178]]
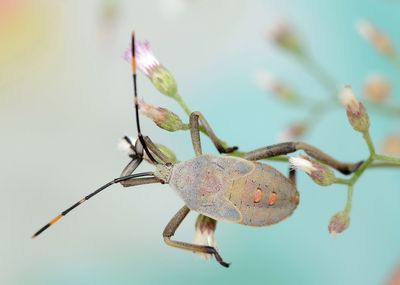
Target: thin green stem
[[182, 103], [349, 200], [368, 140], [384, 165], [360, 171], [342, 181], [319, 73], [390, 159]]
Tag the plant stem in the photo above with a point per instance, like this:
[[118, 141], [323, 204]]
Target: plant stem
[[368, 140], [391, 159], [349, 200], [319, 73], [182, 103]]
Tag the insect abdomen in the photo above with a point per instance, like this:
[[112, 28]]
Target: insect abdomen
[[263, 197]]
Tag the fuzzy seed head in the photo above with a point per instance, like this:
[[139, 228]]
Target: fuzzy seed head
[[301, 163], [319, 173], [356, 113], [205, 229], [348, 99]]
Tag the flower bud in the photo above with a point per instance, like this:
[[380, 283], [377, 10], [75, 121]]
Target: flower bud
[[338, 223], [377, 89], [282, 90], [283, 35], [161, 78], [372, 34], [356, 113], [391, 145], [205, 229], [163, 118], [319, 173]]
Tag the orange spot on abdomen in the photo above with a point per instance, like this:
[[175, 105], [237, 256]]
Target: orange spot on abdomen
[[258, 195], [272, 199]]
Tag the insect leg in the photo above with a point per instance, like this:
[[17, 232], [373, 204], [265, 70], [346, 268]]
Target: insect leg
[[171, 228], [292, 175], [195, 117], [137, 158], [155, 150], [289, 147]]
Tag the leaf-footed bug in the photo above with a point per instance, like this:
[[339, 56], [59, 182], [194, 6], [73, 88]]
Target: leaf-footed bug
[[224, 188]]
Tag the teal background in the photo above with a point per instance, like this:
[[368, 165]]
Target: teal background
[[66, 99]]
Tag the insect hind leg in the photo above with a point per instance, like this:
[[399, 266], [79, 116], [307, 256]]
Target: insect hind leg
[[171, 228]]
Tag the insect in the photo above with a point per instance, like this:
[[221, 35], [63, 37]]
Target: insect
[[224, 188]]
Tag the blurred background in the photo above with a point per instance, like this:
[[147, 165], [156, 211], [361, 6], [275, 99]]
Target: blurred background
[[66, 100]]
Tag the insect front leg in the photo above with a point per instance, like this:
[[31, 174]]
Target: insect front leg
[[171, 228], [137, 158], [197, 117], [290, 147]]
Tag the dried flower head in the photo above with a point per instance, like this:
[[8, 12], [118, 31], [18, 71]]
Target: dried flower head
[[161, 78], [205, 229], [282, 90], [371, 33], [356, 113], [284, 36], [319, 173], [338, 223], [391, 145], [163, 118], [377, 88], [294, 132]]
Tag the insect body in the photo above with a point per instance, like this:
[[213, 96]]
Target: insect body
[[226, 188], [234, 189]]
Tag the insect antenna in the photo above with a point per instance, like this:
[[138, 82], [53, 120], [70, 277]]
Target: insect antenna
[[84, 199], [140, 136]]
